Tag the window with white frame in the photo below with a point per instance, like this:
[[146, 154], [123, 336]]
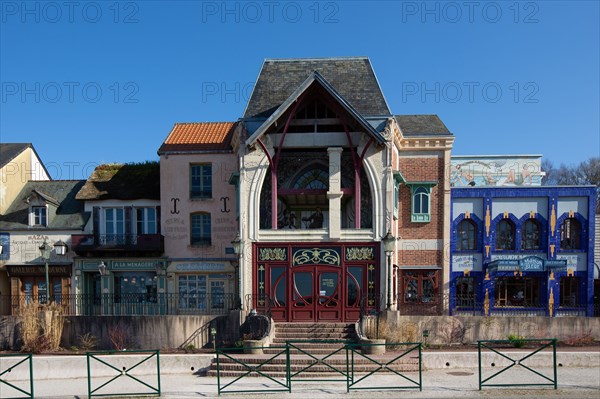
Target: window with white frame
[[145, 220], [114, 224], [421, 205], [39, 216]]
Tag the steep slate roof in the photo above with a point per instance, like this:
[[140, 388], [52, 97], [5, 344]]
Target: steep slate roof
[[9, 151], [69, 214], [123, 182], [353, 78], [314, 78], [199, 136], [422, 125]]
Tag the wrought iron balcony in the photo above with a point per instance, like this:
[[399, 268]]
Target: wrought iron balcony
[[124, 242]]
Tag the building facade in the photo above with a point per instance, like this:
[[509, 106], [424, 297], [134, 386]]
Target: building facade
[[326, 172], [200, 218], [43, 212], [523, 250], [119, 267]]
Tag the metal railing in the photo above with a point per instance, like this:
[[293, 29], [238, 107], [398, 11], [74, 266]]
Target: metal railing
[[104, 358], [126, 304], [496, 346], [6, 367]]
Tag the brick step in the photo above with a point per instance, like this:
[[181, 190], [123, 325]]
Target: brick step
[[312, 351], [305, 369], [324, 337], [312, 324], [338, 359]]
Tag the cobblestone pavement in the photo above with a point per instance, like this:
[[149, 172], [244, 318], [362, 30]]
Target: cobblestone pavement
[[450, 383]]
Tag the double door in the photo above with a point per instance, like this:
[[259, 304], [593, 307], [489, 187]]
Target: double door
[[316, 292]]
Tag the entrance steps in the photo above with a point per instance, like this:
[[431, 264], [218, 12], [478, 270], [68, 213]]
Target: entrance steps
[[311, 332], [306, 367], [302, 365]]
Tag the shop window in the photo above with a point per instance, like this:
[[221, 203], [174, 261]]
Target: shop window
[[39, 216], [135, 287], [505, 235], [569, 291], [201, 181], [531, 238], [145, 219], [570, 234], [420, 286], [513, 291], [466, 236], [465, 292], [192, 291], [420, 203], [201, 229]]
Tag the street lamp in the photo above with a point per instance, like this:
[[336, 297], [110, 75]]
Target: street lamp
[[237, 249], [46, 250], [389, 245], [102, 268]]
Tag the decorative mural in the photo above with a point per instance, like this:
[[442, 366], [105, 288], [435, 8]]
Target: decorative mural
[[316, 256], [496, 171]]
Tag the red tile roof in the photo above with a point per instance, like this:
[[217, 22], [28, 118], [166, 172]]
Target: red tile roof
[[199, 136]]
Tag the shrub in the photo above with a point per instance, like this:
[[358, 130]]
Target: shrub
[[87, 341], [518, 341], [41, 327], [119, 336]]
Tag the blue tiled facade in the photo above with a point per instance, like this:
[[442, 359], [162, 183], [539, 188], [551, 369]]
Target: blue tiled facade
[[537, 272]]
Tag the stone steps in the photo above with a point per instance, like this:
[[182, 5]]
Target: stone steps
[[332, 335]]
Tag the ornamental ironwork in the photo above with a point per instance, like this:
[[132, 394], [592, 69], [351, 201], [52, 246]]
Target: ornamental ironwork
[[360, 253], [272, 254], [316, 256]]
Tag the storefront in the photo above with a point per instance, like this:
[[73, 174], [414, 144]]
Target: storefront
[[121, 286], [316, 282]]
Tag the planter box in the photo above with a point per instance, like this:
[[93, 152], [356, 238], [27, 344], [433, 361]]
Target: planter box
[[253, 346], [373, 346]]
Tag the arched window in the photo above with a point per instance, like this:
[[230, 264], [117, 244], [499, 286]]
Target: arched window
[[570, 234], [421, 200], [466, 236], [315, 178], [505, 235], [531, 239]]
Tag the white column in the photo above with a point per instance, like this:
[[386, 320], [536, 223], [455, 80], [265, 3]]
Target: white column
[[335, 192]]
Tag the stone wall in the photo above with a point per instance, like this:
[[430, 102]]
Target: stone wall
[[446, 330], [141, 332]]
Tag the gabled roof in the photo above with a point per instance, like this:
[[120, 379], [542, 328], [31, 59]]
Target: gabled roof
[[314, 78], [422, 125], [199, 136], [9, 151], [353, 78], [46, 197], [123, 182], [70, 213]]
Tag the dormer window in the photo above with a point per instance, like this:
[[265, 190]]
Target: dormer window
[[39, 216]]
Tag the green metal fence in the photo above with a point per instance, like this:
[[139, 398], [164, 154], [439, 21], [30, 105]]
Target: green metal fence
[[325, 361], [500, 347], [105, 358], [392, 365], [26, 361], [340, 361], [254, 370]]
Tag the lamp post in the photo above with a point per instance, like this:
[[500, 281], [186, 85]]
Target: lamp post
[[237, 249], [389, 245], [46, 250]]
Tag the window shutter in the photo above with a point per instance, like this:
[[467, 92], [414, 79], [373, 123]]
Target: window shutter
[[96, 223], [158, 220], [128, 229]]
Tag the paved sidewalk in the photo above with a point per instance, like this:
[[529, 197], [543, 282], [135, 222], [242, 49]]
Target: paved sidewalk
[[449, 383]]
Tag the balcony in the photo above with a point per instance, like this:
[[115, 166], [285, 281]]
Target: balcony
[[134, 243]]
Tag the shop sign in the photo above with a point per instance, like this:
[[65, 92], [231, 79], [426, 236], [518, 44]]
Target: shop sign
[[37, 270], [200, 266], [466, 262], [133, 264]]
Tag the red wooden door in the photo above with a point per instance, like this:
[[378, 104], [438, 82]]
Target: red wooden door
[[316, 294]]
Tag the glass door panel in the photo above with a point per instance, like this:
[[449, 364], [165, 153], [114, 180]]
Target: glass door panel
[[328, 287], [303, 288]]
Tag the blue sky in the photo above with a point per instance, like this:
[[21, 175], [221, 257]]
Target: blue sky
[[89, 82]]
